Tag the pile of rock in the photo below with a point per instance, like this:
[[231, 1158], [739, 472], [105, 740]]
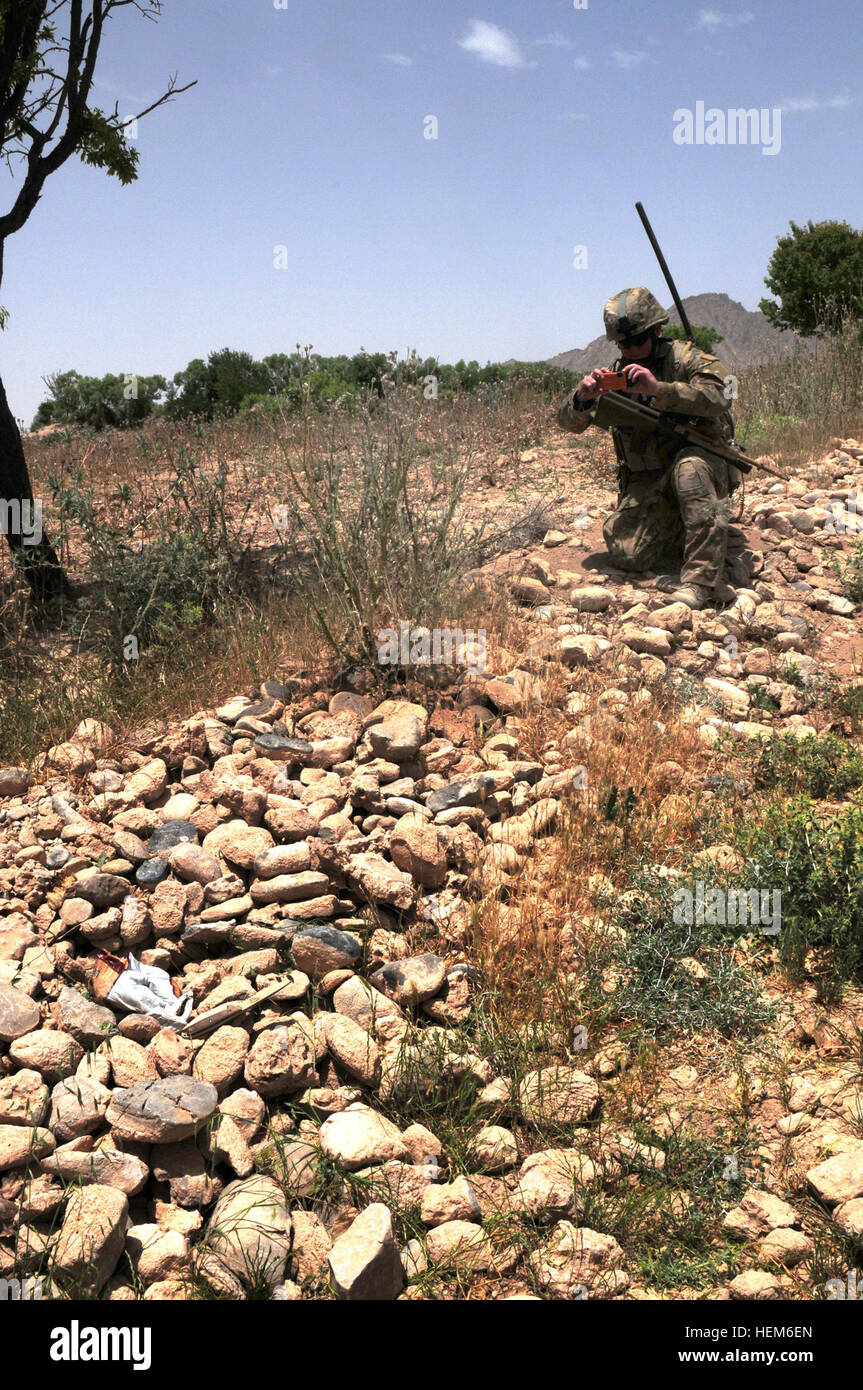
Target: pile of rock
[[276, 857]]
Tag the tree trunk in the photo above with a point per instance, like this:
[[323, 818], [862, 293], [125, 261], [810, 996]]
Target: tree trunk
[[39, 562]]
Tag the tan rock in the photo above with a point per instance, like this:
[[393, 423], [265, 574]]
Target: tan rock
[[281, 1060], [52, 1053], [461, 1246], [130, 1062], [359, 1136], [20, 1144], [78, 1107], [148, 783], [578, 1262], [24, 1098], [238, 843], [839, 1179], [399, 735], [364, 1261], [222, 1057], [352, 1047], [379, 881], [417, 849], [249, 1231], [18, 1013], [157, 1253], [783, 1247], [80, 1163], [557, 1093], [494, 1149], [91, 1239], [173, 1055], [758, 1213], [755, 1284], [310, 1249], [549, 1182], [449, 1201]]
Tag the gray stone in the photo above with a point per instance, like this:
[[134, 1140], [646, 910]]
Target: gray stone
[[166, 837], [147, 875], [282, 750], [318, 950], [412, 981], [103, 890], [162, 1112]]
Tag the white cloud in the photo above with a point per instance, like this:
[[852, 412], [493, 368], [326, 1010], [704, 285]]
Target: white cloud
[[628, 61], [493, 45], [714, 20], [398, 60], [581, 63], [815, 104]]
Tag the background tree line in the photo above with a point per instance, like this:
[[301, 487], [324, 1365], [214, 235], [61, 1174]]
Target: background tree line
[[230, 380]]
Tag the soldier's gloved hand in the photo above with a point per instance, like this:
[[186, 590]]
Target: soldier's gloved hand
[[588, 387], [640, 381]]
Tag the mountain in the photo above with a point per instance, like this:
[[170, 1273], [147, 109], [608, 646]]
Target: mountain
[[748, 338]]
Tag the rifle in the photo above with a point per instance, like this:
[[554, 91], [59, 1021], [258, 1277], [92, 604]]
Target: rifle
[[613, 408], [663, 265]]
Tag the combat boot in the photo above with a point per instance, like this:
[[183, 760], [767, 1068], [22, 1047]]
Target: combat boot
[[693, 595]]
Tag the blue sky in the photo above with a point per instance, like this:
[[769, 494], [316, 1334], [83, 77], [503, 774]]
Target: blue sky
[[306, 131]]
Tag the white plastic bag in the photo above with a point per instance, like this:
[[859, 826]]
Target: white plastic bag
[[145, 989]]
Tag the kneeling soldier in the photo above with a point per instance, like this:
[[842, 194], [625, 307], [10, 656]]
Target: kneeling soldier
[[672, 500]]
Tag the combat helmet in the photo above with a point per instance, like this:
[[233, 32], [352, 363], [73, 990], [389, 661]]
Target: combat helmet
[[632, 312]]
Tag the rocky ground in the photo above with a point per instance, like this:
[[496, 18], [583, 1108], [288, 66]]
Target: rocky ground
[[312, 866]]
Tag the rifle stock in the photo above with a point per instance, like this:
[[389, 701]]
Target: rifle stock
[[614, 408]]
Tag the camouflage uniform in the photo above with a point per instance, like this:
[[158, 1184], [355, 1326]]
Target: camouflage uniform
[[674, 500]]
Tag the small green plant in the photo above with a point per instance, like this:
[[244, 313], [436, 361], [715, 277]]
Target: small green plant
[[847, 705], [815, 862], [151, 588], [818, 767], [654, 993], [849, 572]]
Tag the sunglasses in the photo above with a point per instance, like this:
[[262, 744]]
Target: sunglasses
[[638, 340]]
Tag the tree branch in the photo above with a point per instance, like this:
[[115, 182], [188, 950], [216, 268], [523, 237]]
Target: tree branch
[[68, 92]]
